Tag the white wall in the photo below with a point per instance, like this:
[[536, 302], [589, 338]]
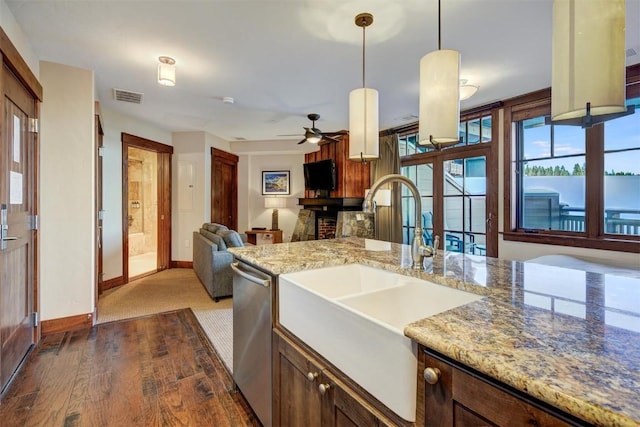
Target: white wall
[[191, 206], [13, 30], [67, 190], [258, 156], [114, 124]]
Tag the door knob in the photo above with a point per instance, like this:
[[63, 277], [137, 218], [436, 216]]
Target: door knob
[[312, 376], [432, 375], [324, 388]]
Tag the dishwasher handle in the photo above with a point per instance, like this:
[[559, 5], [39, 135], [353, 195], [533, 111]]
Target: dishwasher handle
[[250, 277]]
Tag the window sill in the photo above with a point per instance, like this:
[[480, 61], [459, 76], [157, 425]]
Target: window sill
[[626, 244]]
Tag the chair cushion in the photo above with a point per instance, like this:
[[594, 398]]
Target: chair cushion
[[231, 238], [216, 239]]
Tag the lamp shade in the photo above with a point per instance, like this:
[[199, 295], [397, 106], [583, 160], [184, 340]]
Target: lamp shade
[[588, 55], [439, 98], [167, 71], [275, 202], [382, 197], [363, 124]]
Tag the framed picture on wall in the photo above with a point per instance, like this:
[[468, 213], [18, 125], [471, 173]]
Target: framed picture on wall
[[275, 182]]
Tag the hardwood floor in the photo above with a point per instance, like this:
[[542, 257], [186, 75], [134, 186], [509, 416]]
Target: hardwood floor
[[158, 370]]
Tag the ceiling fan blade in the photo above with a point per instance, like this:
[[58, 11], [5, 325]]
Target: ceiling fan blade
[[303, 141], [329, 138], [291, 134], [337, 133]]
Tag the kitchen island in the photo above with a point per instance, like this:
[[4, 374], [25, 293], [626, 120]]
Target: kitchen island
[[565, 337]]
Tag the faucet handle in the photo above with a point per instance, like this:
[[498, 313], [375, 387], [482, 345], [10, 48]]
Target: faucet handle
[[436, 243]]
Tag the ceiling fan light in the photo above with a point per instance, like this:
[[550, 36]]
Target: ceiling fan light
[[167, 71], [313, 138], [588, 60], [439, 98], [363, 124]]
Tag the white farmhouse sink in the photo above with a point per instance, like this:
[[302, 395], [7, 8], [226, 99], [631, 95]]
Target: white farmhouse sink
[[354, 316]]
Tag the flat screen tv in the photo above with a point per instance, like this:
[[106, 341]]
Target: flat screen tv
[[320, 175]]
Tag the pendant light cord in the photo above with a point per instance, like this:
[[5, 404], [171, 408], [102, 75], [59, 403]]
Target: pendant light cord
[[364, 26], [439, 36]]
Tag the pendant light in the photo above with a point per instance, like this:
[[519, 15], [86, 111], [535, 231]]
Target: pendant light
[[588, 62], [167, 71], [439, 96], [363, 110]]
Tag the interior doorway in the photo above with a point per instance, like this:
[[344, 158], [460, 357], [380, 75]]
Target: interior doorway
[[142, 211], [146, 206]]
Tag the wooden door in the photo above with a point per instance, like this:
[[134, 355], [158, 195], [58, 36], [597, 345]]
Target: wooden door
[[224, 188], [99, 133], [17, 243]]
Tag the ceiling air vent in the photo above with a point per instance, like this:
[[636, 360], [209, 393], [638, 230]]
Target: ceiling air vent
[[127, 96], [631, 52]]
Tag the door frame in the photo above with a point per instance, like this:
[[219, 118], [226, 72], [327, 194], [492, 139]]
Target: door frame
[[219, 156], [164, 153]]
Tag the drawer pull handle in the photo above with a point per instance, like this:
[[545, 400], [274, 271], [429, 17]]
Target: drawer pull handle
[[324, 388], [312, 376], [432, 375]]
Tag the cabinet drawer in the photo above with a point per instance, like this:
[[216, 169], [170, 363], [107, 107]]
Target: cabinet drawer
[[460, 398], [264, 238]]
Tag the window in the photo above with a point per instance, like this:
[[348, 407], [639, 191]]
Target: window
[[453, 185], [574, 186]]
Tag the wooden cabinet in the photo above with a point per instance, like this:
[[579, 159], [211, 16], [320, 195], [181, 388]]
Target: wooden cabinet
[[264, 237], [461, 398], [306, 392]]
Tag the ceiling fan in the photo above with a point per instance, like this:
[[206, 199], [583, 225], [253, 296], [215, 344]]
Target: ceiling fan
[[314, 135]]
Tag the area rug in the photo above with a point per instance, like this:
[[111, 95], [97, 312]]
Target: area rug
[[169, 290]]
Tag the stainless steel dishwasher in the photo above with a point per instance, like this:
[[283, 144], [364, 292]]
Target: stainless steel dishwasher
[[252, 323]]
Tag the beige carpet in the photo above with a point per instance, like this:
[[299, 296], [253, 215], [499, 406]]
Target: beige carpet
[[170, 290]]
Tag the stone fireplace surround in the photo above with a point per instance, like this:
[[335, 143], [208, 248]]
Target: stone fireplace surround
[[327, 218]]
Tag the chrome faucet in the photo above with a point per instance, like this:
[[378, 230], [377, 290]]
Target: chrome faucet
[[418, 248]]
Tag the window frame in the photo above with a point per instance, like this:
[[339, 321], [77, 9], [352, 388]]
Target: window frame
[[488, 149], [594, 237]]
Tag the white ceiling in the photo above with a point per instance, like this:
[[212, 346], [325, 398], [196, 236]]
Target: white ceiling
[[281, 60]]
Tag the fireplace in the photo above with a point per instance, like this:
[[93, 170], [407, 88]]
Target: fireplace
[[319, 216]]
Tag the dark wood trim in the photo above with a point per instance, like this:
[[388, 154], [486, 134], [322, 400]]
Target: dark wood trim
[[113, 283], [146, 144], [609, 244], [18, 66], [181, 264], [164, 153], [66, 324]]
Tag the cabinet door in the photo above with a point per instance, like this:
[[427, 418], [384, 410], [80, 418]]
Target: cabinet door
[[342, 407], [460, 399], [296, 395]]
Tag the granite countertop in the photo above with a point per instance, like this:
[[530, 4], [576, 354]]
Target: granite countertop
[[567, 337]]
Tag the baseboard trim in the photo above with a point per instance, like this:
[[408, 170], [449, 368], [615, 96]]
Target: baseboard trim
[[66, 324], [112, 283], [181, 264]]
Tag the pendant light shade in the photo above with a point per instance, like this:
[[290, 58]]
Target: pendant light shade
[[439, 96], [363, 124], [167, 71], [363, 110], [588, 69]]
